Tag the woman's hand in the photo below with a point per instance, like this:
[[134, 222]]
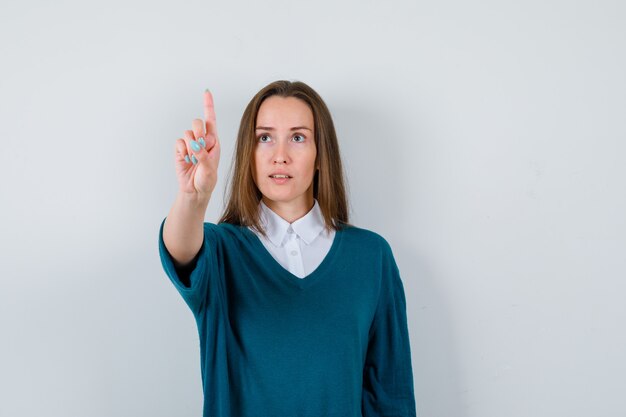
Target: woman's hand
[[196, 166]]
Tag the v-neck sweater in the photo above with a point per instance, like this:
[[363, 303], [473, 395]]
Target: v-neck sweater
[[332, 344]]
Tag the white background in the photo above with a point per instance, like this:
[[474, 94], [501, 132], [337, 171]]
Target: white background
[[484, 140]]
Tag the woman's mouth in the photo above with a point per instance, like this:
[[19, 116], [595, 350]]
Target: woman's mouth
[[280, 178]]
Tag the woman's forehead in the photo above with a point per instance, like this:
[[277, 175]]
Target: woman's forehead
[[284, 112]]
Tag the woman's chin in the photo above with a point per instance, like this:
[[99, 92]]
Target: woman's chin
[[278, 198]]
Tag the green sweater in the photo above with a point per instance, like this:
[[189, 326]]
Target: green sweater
[[333, 344]]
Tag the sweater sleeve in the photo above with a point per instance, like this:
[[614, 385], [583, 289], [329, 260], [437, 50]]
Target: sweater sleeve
[[387, 374], [191, 282]]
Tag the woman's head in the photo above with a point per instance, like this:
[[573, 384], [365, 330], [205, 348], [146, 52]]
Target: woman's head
[[267, 144], [284, 162]]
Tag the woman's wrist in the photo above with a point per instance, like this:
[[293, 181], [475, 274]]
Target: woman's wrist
[[194, 200]]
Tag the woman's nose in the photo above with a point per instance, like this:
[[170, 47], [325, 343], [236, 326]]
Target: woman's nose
[[280, 156]]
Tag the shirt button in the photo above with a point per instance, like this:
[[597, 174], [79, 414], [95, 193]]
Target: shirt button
[[294, 253]]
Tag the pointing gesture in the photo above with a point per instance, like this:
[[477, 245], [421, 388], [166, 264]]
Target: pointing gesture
[[209, 114], [197, 155]]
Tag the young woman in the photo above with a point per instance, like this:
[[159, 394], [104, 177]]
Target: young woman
[[299, 313]]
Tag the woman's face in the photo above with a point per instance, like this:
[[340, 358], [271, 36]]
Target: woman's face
[[285, 144]]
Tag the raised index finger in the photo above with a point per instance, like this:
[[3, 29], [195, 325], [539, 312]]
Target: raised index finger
[[209, 111]]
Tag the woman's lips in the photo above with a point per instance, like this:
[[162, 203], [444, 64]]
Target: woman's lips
[[280, 179]]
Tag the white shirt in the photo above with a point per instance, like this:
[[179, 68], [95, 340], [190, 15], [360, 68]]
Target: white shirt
[[299, 246]]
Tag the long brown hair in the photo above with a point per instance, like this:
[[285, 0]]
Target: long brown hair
[[329, 190]]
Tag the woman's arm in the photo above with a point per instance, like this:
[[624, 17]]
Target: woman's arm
[[388, 373], [183, 231]]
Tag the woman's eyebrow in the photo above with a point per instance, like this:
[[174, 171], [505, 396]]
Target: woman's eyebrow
[[293, 128]]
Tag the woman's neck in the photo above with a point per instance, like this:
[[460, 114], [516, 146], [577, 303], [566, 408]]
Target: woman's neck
[[290, 210]]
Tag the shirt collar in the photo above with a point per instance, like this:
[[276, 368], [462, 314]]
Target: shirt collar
[[307, 227]]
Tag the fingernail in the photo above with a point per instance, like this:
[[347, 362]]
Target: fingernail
[[195, 146], [202, 142], [187, 159], [193, 159]]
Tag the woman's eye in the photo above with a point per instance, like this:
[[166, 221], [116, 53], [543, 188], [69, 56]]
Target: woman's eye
[[299, 136], [261, 138]]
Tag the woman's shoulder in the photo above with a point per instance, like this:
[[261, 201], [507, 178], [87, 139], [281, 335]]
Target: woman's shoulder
[[230, 233], [224, 229], [364, 237]]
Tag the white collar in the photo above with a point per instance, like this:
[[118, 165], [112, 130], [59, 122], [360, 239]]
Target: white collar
[[308, 227]]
